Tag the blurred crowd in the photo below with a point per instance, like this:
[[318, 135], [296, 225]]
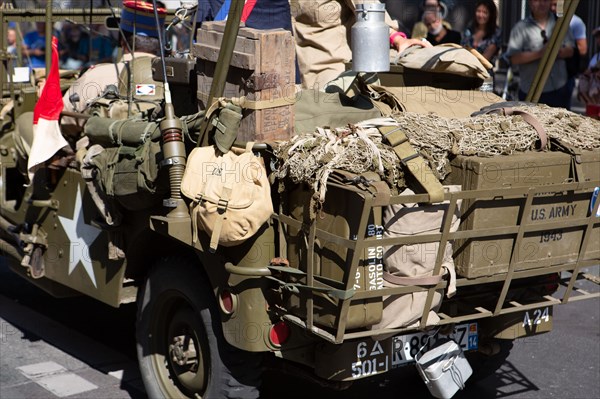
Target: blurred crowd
[[81, 46]]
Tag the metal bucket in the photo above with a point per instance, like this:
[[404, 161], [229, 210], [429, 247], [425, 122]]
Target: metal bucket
[[370, 39]]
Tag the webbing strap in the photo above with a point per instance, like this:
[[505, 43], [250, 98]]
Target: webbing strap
[[245, 103], [408, 281], [379, 189], [195, 208], [221, 209], [417, 166]]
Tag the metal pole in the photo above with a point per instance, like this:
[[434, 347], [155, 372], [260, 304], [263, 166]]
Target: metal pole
[[549, 58], [3, 43], [225, 54], [49, 25]]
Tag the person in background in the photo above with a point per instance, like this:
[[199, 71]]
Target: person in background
[[211, 10], [269, 14], [578, 30], [102, 47], [34, 46], [91, 84], [484, 35], [322, 32], [11, 41], [437, 33], [576, 63], [420, 30], [595, 60], [528, 41], [71, 37], [589, 82]]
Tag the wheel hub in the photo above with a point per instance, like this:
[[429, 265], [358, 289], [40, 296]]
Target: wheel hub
[[178, 354], [184, 355]]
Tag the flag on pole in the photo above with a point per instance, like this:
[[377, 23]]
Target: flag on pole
[[47, 138]]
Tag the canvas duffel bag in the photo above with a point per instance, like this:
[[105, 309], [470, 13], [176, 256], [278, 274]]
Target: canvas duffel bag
[[446, 58], [407, 265]]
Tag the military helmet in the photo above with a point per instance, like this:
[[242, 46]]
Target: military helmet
[[143, 87]]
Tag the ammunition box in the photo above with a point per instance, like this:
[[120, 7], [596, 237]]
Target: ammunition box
[[340, 215], [477, 257], [263, 72]]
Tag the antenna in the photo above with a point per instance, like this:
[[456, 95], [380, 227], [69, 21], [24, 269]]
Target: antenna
[[173, 147]]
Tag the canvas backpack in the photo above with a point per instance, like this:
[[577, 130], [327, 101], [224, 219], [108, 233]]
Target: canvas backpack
[[231, 194]]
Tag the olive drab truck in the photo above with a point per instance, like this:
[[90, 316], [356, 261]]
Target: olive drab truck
[[370, 238]]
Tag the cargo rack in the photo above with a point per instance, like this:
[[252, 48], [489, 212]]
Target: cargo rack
[[342, 292]]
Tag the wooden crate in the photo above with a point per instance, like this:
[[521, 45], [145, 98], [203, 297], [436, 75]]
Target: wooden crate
[[262, 69]]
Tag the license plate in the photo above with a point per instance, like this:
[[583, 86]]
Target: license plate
[[370, 357], [405, 347]]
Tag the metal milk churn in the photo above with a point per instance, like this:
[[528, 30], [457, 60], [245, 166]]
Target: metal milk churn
[[370, 39]]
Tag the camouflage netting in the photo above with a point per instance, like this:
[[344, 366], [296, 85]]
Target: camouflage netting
[[489, 135], [312, 157]]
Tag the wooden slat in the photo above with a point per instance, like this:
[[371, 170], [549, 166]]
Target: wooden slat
[[213, 39], [239, 60], [251, 33]]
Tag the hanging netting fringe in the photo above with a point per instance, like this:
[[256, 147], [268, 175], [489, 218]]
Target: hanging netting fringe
[[310, 158], [489, 135]]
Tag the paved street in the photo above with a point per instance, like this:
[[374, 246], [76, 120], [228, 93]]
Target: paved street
[[79, 348], [40, 358]]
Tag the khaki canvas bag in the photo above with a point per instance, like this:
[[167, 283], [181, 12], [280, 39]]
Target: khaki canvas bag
[[447, 58], [407, 265], [230, 192]]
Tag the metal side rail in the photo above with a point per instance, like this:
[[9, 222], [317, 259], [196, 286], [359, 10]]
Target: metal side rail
[[518, 267]]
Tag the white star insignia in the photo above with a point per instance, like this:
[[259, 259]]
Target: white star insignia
[[81, 237]]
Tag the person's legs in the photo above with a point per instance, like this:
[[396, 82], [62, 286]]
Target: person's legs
[[557, 98], [570, 87]]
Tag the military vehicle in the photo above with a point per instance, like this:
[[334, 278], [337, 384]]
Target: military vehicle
[[302, 290]]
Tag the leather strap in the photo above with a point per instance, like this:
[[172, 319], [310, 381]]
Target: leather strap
[[575, 153], [417, 166], [527, 117], [398, 280]]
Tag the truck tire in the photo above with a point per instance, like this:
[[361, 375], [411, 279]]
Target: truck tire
[[180, 343], [485, 365]]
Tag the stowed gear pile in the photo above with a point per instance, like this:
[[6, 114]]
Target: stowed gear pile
[[436, 137], [493, 134], [572, 129], [310, 158]]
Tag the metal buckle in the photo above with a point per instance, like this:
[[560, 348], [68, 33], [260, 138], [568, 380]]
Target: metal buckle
[[222, 205]]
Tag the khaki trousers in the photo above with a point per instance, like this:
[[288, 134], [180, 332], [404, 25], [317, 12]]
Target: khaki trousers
[[322, 31]]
